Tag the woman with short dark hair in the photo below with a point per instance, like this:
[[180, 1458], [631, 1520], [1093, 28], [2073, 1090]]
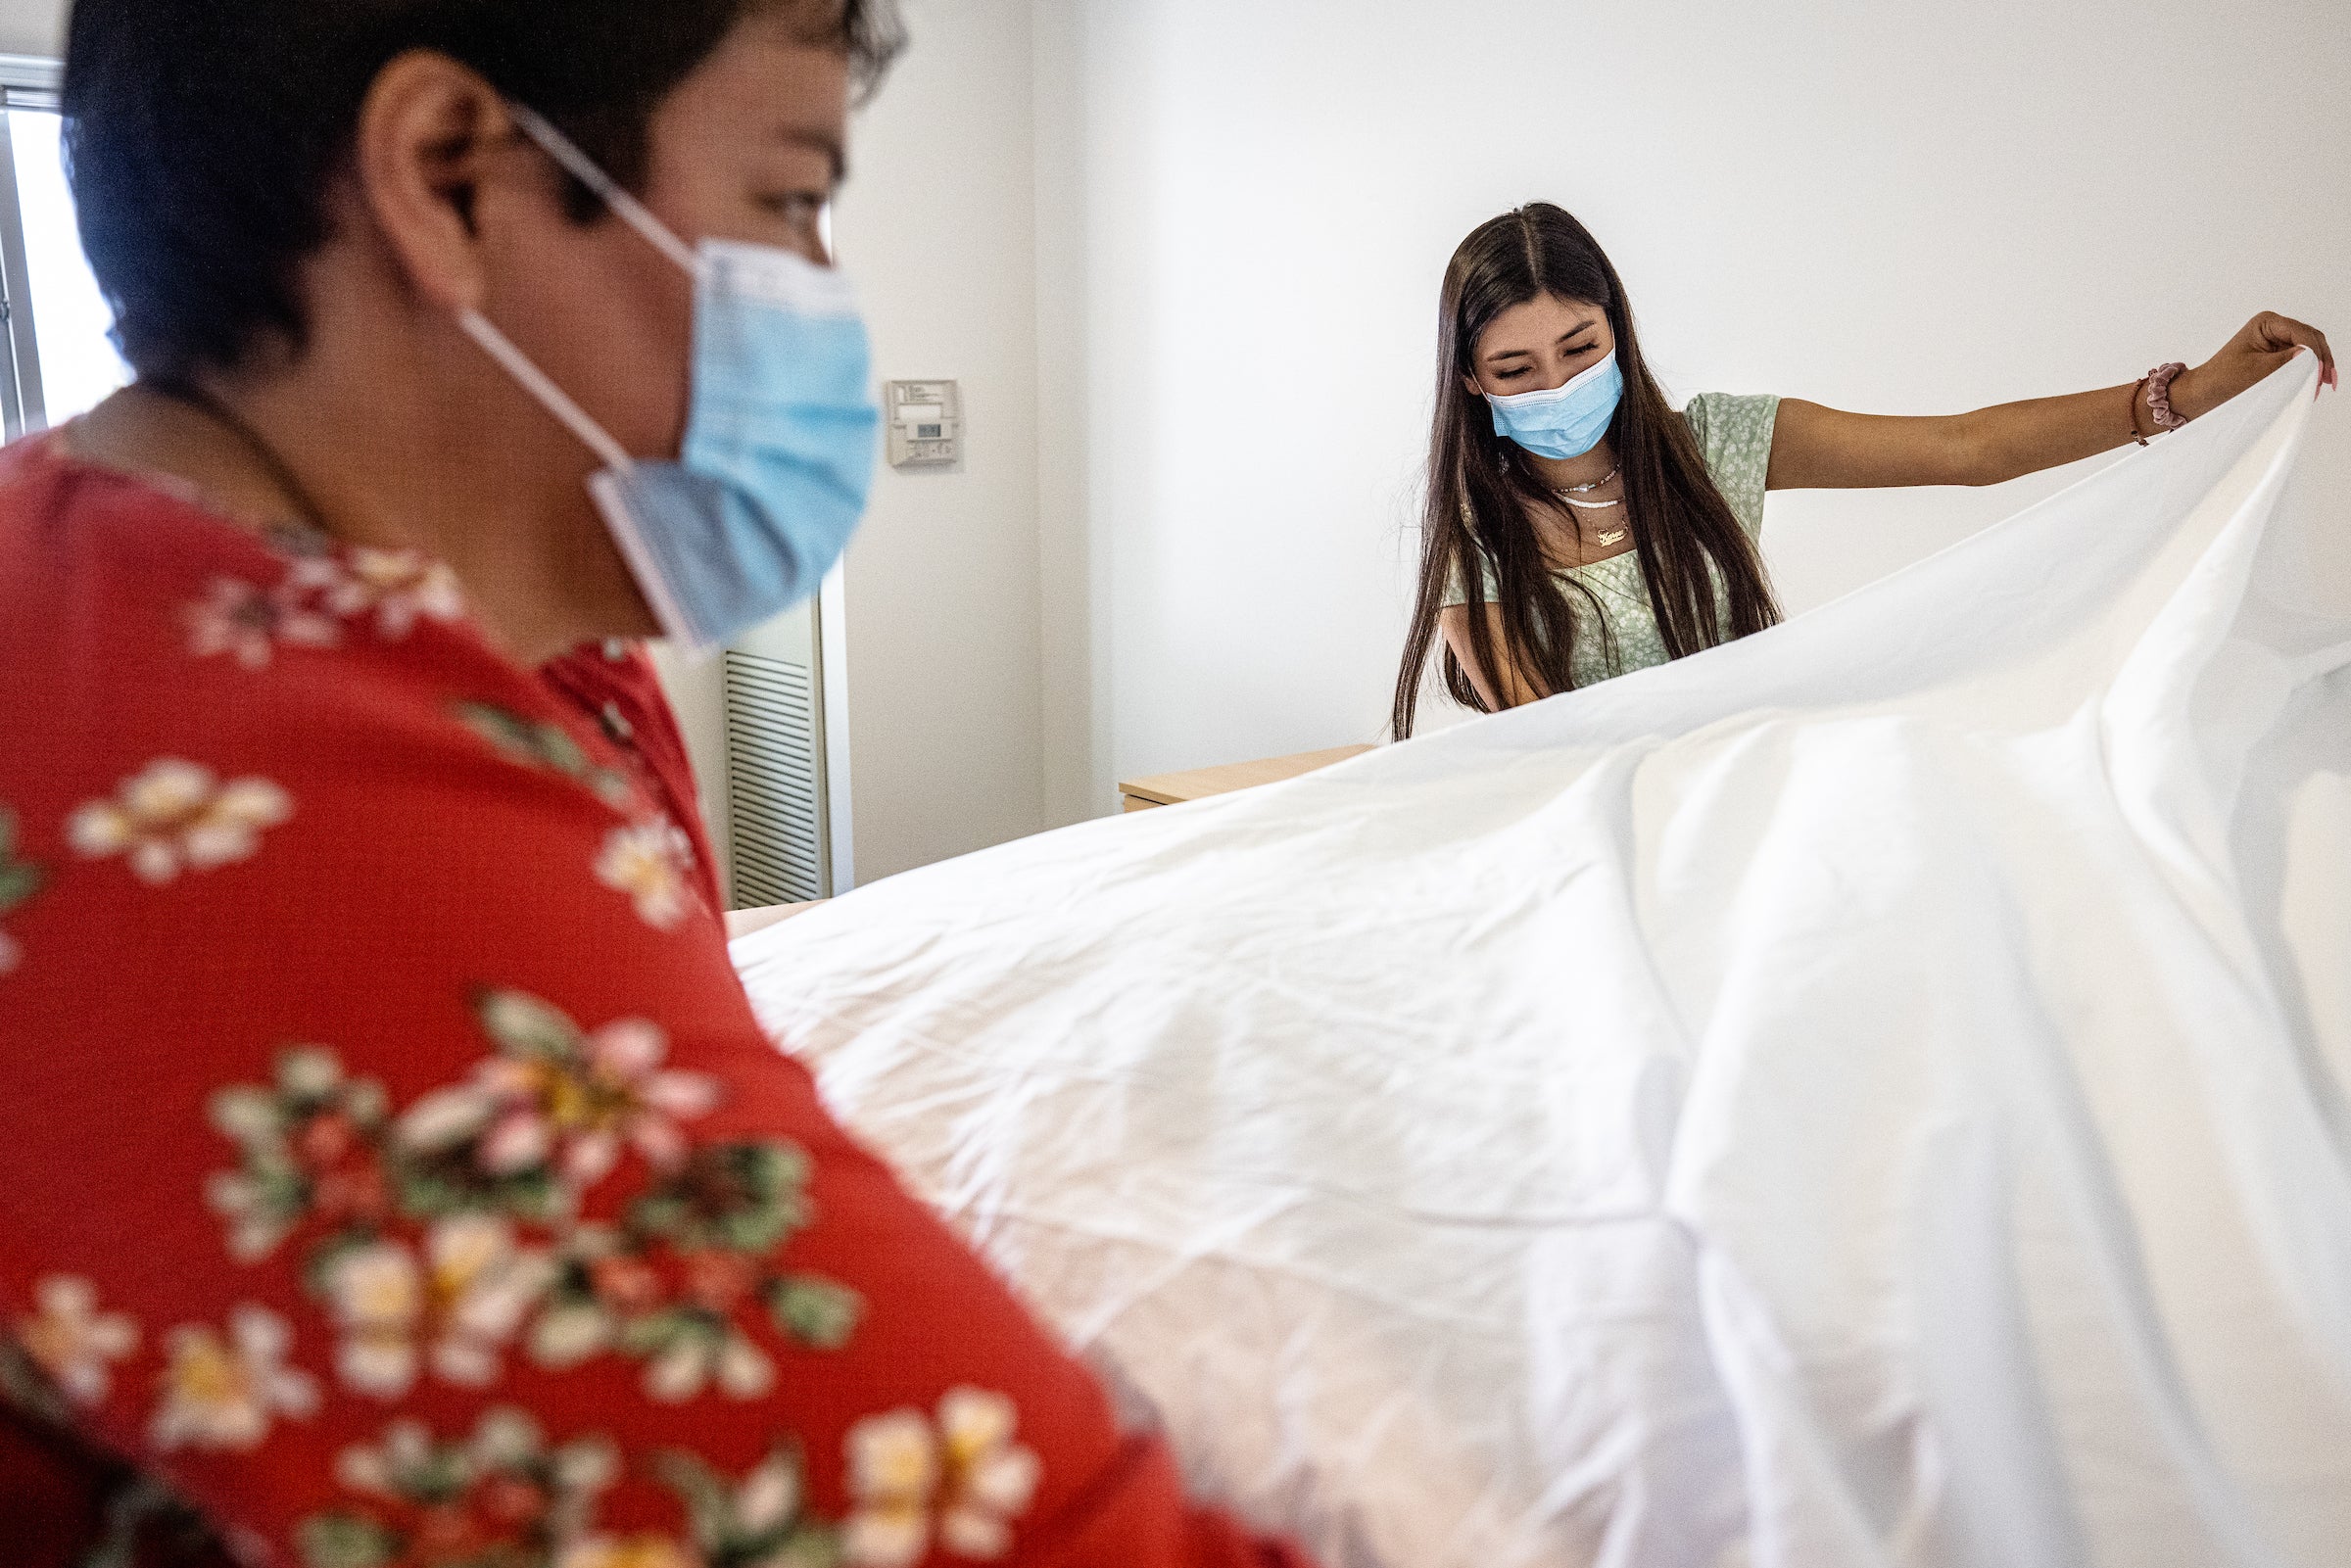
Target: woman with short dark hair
[[396, 1173]]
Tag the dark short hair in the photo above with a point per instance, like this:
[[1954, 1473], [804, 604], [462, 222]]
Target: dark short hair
[[203, 136]]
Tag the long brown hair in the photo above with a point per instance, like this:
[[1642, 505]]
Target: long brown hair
[[1483, 494]]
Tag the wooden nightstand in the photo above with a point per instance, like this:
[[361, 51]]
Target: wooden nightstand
[[1175, 789]]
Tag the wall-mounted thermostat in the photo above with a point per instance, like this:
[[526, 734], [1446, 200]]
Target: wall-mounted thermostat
[[925, 422]]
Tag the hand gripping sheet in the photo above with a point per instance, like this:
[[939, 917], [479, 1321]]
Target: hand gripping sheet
[[1879, 1093]]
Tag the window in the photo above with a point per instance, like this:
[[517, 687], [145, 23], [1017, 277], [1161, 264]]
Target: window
[[59, 360]]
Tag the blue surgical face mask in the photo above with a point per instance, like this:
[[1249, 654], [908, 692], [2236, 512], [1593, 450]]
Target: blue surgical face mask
[[780, 437], [1565, 422]]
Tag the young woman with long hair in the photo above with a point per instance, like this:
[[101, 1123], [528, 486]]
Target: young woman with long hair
[[1578, 528]]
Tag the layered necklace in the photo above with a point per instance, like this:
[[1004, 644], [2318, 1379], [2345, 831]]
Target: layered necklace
[[1572, 496]]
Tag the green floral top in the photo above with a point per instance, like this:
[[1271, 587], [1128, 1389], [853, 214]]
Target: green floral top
[[1735, 434]]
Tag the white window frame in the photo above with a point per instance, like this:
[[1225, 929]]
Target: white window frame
[[26, 81]]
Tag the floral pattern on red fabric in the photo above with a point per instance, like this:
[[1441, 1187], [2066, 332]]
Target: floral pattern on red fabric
[[387, 591], [958, 1478], [393, 589], [538, 743], [492, 1279], [250, 624], [615, 687], [19, 880], [652, 862], [73, 1342], [176, 817], [441, 1235], [227, 1389]]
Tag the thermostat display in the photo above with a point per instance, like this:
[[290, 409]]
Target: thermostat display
[[925, 422]]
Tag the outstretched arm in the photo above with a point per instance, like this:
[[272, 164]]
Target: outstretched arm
[[1826, 449]]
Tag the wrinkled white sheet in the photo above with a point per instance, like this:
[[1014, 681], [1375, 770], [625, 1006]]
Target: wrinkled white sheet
[[1878, 1093]]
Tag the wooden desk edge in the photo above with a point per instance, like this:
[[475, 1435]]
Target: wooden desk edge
[[1200, 783]]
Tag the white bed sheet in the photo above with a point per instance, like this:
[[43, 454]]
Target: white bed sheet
[[1877, 1093]]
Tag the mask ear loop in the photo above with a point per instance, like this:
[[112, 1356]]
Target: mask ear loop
[[608, 488], [559, 147], [627, 208], [595, 436]]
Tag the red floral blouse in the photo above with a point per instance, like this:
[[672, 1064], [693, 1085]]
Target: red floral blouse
[[395, 1173]]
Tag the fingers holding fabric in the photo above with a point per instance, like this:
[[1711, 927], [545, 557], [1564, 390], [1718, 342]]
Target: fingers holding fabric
[[2264, 345], [2279, 338]]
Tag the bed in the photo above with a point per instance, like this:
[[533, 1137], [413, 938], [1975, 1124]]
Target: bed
[[1878, 1093]]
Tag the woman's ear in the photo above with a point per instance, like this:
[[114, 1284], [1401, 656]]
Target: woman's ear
[[1470, 386], [434, 138]]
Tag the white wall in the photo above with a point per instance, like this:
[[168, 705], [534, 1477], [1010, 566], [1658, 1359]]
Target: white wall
[[1075, 581], [1908, 209], [32, 26], [937, 226], [1183, 256]]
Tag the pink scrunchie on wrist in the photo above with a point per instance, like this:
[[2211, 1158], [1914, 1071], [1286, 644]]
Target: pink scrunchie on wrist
[[2159, 395]]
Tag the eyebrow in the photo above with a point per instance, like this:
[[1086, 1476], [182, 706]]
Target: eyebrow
[[1528, 354], [818, 141]]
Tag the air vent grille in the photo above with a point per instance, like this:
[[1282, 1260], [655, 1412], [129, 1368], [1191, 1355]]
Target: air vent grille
[[775, 781]]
